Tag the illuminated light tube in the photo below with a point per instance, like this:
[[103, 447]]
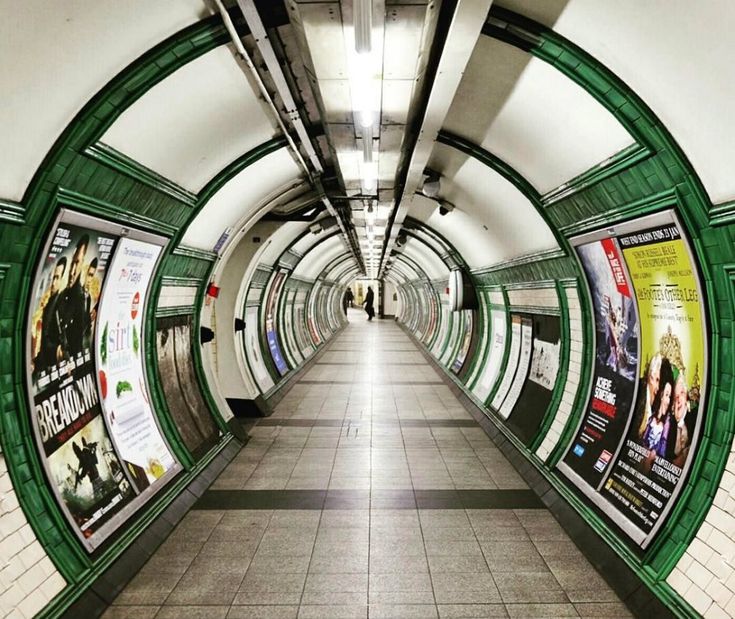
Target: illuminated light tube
[[362, 15], [367, 143]]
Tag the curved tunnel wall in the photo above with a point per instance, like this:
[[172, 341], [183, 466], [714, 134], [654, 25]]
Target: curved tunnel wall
[[687, 563]]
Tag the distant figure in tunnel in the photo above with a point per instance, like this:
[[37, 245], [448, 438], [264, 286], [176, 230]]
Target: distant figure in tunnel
[[368, 303], [345, 301], [349, 297]]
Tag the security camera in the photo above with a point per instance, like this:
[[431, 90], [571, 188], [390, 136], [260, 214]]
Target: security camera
[[445, 207], [432, 183], [401, 239]]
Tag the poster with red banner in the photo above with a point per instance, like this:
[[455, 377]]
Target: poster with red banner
[[640, 431], [615, 363]]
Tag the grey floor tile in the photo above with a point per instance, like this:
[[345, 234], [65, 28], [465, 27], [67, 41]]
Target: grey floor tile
[[130, 612], [404, 611], [193, 612], [263, 612], [603, 610], [333, 612], [541, 611], [471, 611]]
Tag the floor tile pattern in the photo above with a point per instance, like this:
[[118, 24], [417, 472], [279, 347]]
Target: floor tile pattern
[[370, 492]]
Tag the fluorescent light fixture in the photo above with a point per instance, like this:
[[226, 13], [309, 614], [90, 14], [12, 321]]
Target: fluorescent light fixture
[[362, 15], [367, 143], [369, 175]]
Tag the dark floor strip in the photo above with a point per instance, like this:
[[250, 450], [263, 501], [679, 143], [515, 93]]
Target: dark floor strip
[[366, 499], [338, 423]]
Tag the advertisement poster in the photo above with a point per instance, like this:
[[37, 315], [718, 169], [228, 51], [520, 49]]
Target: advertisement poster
[[491, 370], [512, 363], [658, 444], [524, 363], [615, 364], [83, 468], [432, 315], [120, 356], [181, 385], [535, 396], [466, 341], [270, 323], [252, 350]]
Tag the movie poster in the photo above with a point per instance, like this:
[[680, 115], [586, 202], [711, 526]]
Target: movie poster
[[271, 334], [466, 341], [252, 350], [120, 356], [535, 396], [491, 370], [83, 467], [615, 363], [658, 444], [524, 363], [511, 364]]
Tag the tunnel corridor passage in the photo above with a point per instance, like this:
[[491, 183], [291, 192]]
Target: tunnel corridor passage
[[370, 492]]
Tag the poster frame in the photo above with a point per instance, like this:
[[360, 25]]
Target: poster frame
[[111, 526], [639, 537]]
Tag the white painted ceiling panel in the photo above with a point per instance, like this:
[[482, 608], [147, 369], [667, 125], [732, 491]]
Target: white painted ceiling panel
[[241, 196], [195, 122], [319, 257], [492, 222], [535, 118], [277, 242], [678, 57], [56, 55], [429, 261]]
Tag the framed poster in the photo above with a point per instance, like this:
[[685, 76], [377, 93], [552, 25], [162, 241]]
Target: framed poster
[[491, 369], [181, 387], [534, 398], [512, 363], [464, 348], [524, 363], [120, 353], [271, 331], [658, 419], [94, 488]]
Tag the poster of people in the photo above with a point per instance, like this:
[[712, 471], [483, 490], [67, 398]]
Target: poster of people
[[646, 453], [77, 450], [466, 341], [536, 392], [658, 444], [512, 362], [270, 323], [120, 357], [615, 362]]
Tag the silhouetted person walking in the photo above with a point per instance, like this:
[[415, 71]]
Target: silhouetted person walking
[[368, 303]]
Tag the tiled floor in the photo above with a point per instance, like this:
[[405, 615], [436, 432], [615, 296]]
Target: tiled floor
[[371, 492]]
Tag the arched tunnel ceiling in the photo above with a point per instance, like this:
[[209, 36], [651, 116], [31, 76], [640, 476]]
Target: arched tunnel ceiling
[[526, 112], [519, 108], [429, 261], [195, 122], [317, 259], [56, 56], [676, 55], [254, 187], [484, 224]]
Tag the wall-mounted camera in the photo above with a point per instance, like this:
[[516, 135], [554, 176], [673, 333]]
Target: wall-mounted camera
[[445, 207]]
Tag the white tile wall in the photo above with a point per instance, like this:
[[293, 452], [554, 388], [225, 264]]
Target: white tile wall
[[177, 296], [28, 579], [534, 297], [705, 574], [573, 376]]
